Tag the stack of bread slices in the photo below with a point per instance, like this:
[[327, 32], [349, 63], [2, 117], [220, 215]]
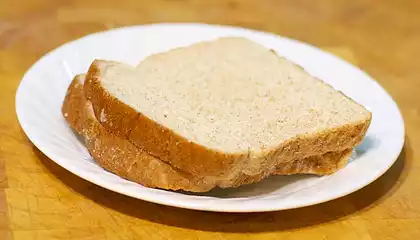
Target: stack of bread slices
[[220, 113]]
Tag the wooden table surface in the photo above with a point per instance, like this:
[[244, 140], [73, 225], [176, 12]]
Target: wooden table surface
[[40, 200]]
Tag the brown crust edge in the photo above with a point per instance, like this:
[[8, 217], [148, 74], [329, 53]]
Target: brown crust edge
[[119, 156], [152, 137], [168, 146]]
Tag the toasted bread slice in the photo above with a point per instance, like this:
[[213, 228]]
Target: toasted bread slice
[[121, 157]]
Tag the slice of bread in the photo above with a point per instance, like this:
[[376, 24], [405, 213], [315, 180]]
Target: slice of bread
[[119, 156], [224, 108]]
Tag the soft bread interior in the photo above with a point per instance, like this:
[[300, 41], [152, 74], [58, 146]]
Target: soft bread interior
[[124, 159], [232, 95]]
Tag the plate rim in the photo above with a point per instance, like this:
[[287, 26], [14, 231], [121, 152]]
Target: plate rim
[[180, 204]]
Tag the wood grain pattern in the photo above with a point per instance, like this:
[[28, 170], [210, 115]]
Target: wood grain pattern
[[40, 200]]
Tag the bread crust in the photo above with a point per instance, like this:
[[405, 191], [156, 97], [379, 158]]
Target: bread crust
[[121, 157], [193, 158]]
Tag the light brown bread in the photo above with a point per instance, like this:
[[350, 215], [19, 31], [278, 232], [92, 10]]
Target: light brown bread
[[119, 156], [223, 109]]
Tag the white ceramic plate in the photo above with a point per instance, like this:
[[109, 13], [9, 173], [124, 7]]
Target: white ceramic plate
[[41, 92]]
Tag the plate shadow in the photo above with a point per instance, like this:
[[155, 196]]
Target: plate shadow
[[358, 201]]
